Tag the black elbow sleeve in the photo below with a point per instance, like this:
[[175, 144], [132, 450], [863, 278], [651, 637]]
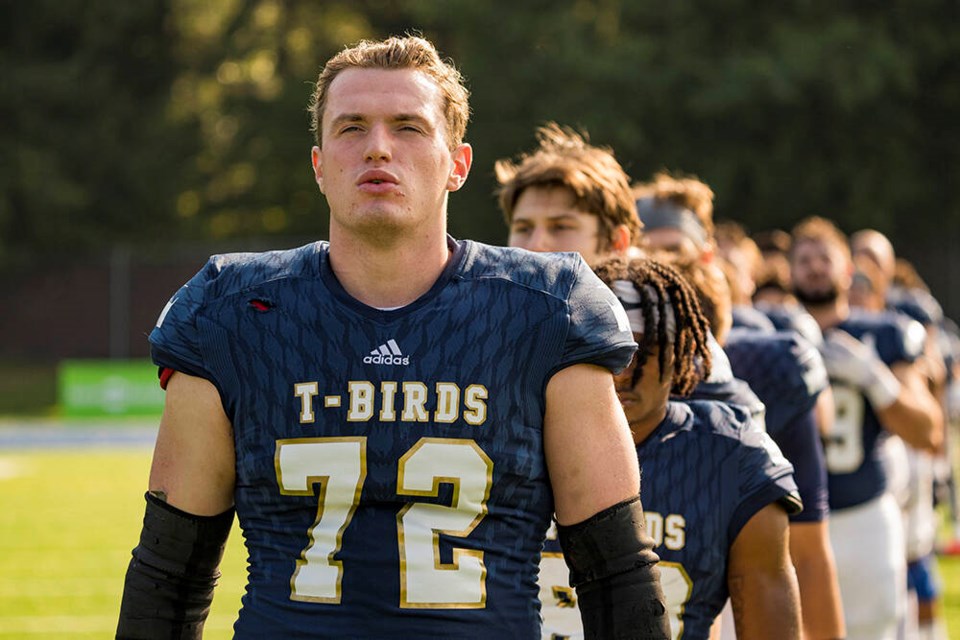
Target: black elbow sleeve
[[169, 583], [613, 567]]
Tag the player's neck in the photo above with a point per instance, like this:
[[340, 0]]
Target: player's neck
[[388, 275], [642, 428], [830, 314]]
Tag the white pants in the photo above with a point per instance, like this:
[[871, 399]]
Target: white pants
[[868, 545]]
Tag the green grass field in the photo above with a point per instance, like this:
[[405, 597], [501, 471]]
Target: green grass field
[[68, 523]]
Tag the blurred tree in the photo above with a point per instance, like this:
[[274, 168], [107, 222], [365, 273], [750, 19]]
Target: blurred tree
[[86, 151], [186, 118]]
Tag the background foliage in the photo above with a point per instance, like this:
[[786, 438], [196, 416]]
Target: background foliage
[[161, 121]]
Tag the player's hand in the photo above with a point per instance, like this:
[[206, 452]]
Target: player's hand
[[856, 363]]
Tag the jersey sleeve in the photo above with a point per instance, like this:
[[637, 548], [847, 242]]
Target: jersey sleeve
[[175, 340], [800, 443], [919, 305], [599, 330], [765, 477], [901, 340], [785, 370], [747, 317]]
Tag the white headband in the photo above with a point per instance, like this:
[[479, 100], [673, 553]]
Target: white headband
[[632, 301]]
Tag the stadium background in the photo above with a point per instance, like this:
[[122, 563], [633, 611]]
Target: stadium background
[[138, 138]]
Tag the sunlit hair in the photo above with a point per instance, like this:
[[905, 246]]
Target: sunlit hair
[[773, 276], [772, 241], [817, 229], [691, 353], [408, 52], [732, 235], [564, 158], [685, 191], [712, 289]]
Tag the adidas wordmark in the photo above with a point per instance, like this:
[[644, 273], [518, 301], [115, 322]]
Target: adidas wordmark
[[387, 353]]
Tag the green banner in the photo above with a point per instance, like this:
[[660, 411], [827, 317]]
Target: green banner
[[92, 388]]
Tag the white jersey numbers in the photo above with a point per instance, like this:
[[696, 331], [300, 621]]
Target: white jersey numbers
[[338, 466], [844, 446], [424, 580]]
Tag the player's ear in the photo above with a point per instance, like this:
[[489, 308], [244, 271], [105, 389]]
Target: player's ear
[[620, 239], [462, 158], [316, 159], [707, 253]]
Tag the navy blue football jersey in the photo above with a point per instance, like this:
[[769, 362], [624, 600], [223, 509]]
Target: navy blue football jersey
[[707, 469], [915, 303], [787, 374], [390, 474], [792, 317], [853, 448], [722, 386], [746, 317]]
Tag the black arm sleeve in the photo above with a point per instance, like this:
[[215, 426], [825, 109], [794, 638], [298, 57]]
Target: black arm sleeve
[[613, 567], [169, 584]]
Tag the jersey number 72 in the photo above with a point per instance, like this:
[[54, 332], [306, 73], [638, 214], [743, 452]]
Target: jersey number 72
[[338, 466]]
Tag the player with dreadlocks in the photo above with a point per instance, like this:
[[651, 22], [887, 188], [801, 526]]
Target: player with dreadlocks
[[779, 377], [670, 295], [716, 490]]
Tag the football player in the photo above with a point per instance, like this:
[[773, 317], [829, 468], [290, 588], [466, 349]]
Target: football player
[[567, 195], [784, 368], [875, 287], [716, 489], [878, 389], [780, 377], [394, 415]]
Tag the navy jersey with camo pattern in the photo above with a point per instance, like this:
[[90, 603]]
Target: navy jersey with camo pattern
[[707, 469], [722, 386], [390, 469], [854, 458], [787, 374]]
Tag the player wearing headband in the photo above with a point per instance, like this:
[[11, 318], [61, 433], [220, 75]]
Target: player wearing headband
[[778, 376]]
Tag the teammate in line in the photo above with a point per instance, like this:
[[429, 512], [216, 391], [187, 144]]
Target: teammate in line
[[873, 289], [717, 489], [783, 367], [395, 415], [568, 195], [878, 389]]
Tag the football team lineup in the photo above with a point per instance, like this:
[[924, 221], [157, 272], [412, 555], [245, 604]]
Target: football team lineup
[[365, 397]]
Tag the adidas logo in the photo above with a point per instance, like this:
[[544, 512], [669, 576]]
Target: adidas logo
[[388, 353]]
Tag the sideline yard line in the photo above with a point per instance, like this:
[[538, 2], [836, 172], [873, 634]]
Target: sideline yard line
[[53, 436]]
